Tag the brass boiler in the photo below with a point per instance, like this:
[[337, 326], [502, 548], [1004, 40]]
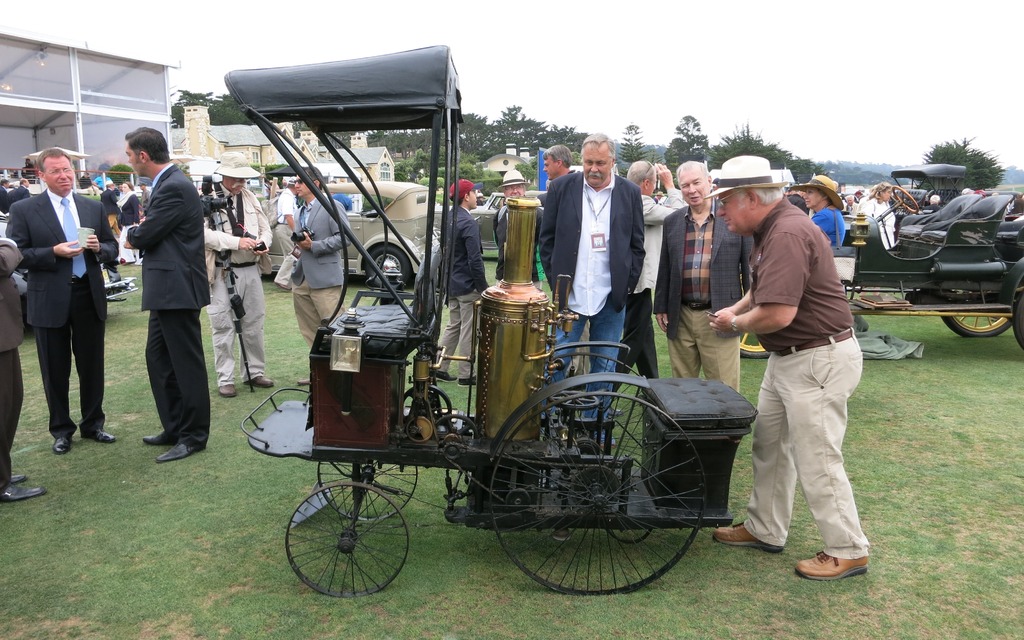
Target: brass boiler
[[513, 324]]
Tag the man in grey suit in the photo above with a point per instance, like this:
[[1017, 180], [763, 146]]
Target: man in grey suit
[[704, 267], [67, 305], [175, 289], [12, 388], [318, 275], [593, 231]]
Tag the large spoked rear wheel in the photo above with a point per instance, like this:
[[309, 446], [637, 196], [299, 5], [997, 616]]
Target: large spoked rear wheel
[[341, 543], [1018, 319], [396, 480], [976, 326], [603, 503]]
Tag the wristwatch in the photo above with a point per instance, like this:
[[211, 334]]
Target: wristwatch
[[732, 325]]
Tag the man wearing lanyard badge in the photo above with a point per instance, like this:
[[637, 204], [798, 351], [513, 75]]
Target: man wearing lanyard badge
[[593, 231]]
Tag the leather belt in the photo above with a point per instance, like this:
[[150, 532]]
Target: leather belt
[[842, 336], [697, 306], [240, 265], [79, 279]]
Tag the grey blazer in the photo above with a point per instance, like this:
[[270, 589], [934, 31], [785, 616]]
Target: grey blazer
[[730, 269], [321, 265]]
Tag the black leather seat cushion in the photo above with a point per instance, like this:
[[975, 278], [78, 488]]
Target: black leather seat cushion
[[702, 404]]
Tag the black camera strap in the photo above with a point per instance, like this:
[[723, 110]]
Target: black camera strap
[[236, 229]]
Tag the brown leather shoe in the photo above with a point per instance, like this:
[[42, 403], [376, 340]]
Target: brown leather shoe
[[304, 382], [738, 536], [227, 391], [826, 567], [263, 382]]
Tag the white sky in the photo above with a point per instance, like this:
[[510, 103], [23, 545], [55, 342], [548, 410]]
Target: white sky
[[861, 80]]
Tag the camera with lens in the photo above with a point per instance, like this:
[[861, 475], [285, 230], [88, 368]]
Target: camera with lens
[[297, 236], [210, 201]]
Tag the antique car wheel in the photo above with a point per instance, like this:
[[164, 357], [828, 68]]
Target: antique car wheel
[[751, 348], [396, 480], [340, 543], [905, 200], [976, 326], [592, 506], [390, 255], [1018, 319]]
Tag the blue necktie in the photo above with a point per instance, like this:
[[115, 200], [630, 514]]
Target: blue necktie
[[303, 217], [71, 233]]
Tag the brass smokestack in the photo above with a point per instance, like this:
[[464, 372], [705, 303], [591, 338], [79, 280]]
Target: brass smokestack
[[513, 326]]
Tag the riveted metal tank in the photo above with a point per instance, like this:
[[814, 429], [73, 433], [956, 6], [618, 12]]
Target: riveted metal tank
[[513, 323]]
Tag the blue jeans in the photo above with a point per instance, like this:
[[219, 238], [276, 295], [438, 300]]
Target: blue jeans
[[605, 326]]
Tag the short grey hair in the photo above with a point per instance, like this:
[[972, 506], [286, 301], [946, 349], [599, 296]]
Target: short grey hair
[[768, 195], [598, 139], [688, 166], [639, 171], [560, 153]]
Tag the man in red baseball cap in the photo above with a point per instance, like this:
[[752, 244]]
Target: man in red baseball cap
[[466, 283]]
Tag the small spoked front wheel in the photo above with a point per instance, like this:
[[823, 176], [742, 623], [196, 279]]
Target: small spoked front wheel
[[347, 539]]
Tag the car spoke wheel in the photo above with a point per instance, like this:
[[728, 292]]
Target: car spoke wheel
[[976, 326], [391, 257], [588, 508], [340, 543], [751, 348]]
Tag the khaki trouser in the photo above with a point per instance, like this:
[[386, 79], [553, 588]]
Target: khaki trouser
[[697, 347], [798, 435], [458, 335], [313, 307], [222, 322]]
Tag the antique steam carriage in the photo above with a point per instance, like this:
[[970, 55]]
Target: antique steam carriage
[[598, 483]]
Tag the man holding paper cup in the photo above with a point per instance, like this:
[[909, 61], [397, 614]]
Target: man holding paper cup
[[64, 237]]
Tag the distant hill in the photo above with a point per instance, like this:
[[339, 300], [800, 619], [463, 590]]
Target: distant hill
[[845, 172]]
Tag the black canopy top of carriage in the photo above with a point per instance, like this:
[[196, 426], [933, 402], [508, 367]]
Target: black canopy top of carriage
[[930, 171], [393, 91]]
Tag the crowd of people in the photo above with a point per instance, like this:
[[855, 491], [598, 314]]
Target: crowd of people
[[707, 262]]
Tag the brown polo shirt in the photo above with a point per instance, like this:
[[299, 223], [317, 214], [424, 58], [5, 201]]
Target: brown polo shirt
[[791, 264]]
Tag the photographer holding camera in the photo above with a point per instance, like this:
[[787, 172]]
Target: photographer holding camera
[[319, 274], [236, 233]]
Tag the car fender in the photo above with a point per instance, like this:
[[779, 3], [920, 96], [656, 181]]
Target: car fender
[[1012, 283]]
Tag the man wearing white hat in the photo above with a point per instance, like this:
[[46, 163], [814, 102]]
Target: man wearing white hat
[[234, 238], [513, 186], [797, 307]]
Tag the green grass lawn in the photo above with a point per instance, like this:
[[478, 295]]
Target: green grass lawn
[[121, 547]]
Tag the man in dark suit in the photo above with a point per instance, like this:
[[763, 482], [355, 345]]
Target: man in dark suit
[[593, 231], [5, 199], [109, 199], [704, 267], [20, 192], [12, 388], [175, 289], [67, 305]]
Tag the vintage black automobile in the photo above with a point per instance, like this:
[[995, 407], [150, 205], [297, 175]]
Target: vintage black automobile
[[960, 263], [597, 483]]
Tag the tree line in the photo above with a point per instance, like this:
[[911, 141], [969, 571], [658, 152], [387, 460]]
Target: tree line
[[482, 139]]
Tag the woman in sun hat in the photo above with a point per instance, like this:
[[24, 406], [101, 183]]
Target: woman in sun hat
[[823, 199]]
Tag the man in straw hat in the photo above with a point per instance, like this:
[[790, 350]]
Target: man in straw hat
[[513, 186], [235, 237], [798, 309]]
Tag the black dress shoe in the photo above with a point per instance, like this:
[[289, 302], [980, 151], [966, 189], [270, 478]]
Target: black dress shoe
[[159, 439], [13, 493], [467, 382], [61, 446], [101, 436], [177, 452], [444, 375], [18, 477]]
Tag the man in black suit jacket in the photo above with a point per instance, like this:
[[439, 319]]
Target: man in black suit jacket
[[682, 297], [109, 199], [593, 231], [67, 305], [175, 289], [20, 192], [5, 199]]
